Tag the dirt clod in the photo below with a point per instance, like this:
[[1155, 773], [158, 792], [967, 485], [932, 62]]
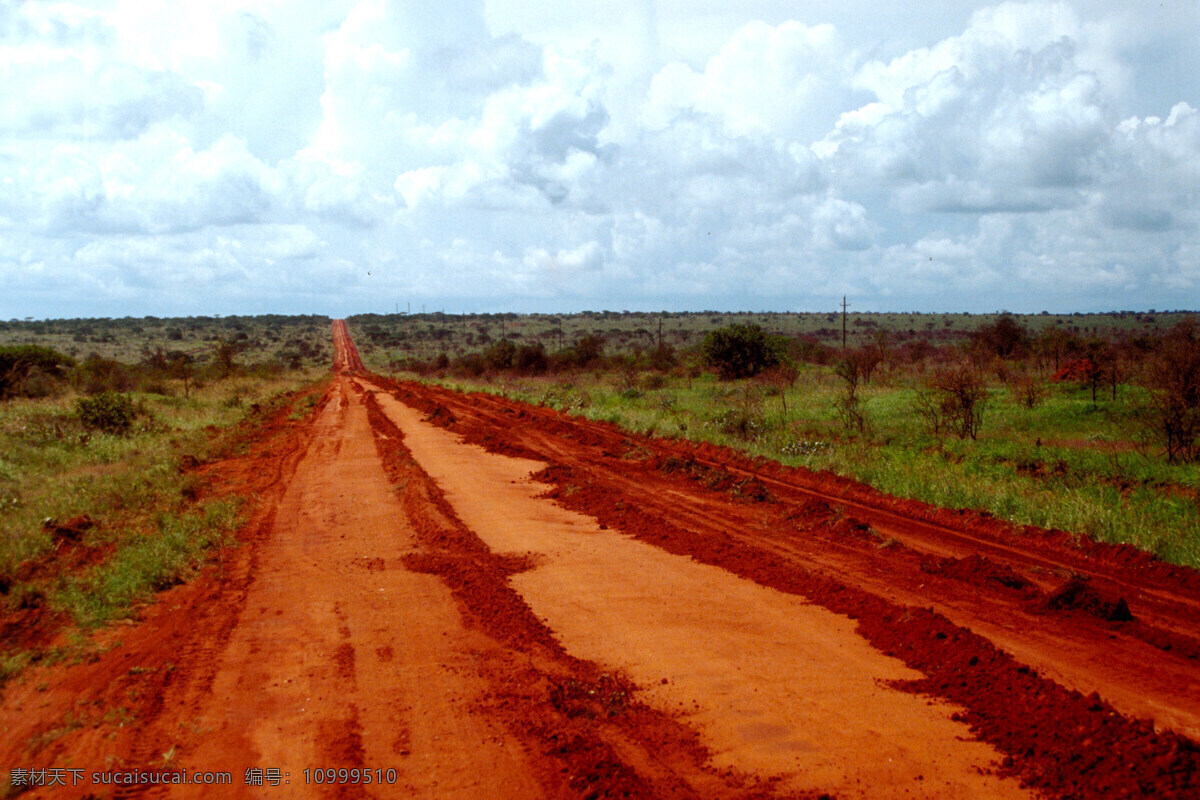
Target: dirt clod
[[72, 530], [1078, 594]]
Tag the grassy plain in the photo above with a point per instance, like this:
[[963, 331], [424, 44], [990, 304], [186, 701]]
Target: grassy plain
[[92, 522]]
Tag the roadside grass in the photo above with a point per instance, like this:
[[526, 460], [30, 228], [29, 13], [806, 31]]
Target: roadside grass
[[1066, 464], [148, 530], [167, 555]]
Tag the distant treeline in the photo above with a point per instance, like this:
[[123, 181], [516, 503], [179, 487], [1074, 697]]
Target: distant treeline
[[470, 343], [40, 358]]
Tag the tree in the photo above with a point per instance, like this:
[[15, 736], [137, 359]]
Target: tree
[[662, 357], [867, 359], [1174, 382], [781, 377], [500, 355], [1026, 389], [953, 399], [1005, 337], [1055, 344], [589, 350], [226, 351], [180, 366], [741, 351], [1103, 360], [530, 359], [20, 364], [849, 407]]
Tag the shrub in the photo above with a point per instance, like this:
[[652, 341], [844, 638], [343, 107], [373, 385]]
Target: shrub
[[530, 359], [1027, 390], [110, 412], [741, 351], [106, 375], [589, 351], [848, 405], [470, 365], [30, 369], [953, 399], [500, 355], [1004, 338], [1175, 385], [662, 357]]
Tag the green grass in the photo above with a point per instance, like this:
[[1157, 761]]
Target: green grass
[[163, 557], [148, 524], [1065, 464]]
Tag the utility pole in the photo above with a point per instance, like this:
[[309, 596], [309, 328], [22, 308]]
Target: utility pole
[[843, 322]]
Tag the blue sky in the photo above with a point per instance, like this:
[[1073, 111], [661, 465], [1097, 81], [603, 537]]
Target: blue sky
[[343, 157]]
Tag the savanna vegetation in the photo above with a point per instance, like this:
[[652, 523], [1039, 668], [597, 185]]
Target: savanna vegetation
[[100, 424], [1087, 423]]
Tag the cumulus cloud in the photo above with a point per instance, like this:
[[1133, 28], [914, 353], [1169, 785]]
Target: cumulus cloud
[[1003, 117], [348, 151]]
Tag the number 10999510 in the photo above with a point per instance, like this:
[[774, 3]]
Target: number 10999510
[[354, 775]]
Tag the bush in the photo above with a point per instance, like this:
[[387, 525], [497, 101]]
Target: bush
[[953, 400], [588, 352], [1027, 390], [848, 405], [110, 412], [741, 351], [1004, 338], [1175, 391], [662, 357], [106, 375], [500, 355], [30, 369], [530, 359]]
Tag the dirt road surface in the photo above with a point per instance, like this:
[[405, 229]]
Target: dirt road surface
[[459, 596]]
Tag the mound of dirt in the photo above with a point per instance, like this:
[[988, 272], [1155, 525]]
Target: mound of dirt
[[856, 528], [605, 696], [1079, 595], [738, 487], [981, 571], [441, 416], [71, 530]]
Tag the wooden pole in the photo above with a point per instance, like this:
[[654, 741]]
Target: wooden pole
[[843, 322]]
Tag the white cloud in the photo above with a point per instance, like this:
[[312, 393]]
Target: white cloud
[[1005, 116], [984, 156], [785, 81]]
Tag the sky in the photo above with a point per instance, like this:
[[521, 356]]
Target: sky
[[353, 156]]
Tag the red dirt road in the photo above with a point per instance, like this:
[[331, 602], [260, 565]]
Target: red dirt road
[[570, 611]]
